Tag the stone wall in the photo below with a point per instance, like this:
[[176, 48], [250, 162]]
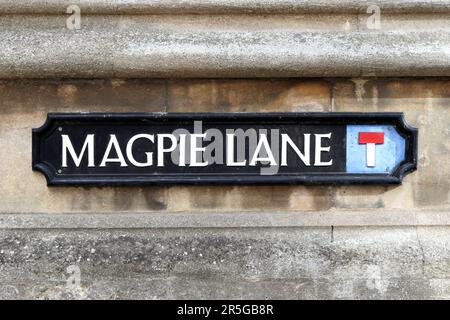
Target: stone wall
[[224, 39], [25, 104], [261, 241]]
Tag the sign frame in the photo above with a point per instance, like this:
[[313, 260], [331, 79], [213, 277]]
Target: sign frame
[[314, 118]]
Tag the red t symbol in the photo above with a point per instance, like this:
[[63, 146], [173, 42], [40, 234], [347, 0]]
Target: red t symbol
[[370, 139]]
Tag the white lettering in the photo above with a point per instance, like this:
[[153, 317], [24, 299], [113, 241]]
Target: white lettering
[[195, 149], [67, 146], [305, 157], [162, 150], [113, 143], [263, 142], [319, 149], [230, 152], [129, 150]]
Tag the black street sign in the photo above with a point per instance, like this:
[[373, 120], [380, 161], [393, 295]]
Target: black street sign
[[224, 148]]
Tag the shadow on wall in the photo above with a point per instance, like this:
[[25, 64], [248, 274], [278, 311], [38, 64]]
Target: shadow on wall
[[226, 198]]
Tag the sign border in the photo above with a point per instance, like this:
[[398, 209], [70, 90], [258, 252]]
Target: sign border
[[345, 118]]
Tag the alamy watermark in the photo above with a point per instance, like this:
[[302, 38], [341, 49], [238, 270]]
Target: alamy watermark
[[73, 282], [374, 20], [73, 22]]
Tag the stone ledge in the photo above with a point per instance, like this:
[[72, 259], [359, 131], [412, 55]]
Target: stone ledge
[[218, 6], [273, 263], [335, 218], [140, 51]]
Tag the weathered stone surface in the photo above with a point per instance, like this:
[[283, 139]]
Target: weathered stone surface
[[253, 242], [260, 95], [212, 219], [218, 6], [224, 46], [185, 198], [24, 105], [425, 104], [290, 263]]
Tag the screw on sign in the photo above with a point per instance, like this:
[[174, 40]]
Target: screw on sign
[[370, 139]]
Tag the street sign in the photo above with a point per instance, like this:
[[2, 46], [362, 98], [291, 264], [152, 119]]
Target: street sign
[[224, 148]]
